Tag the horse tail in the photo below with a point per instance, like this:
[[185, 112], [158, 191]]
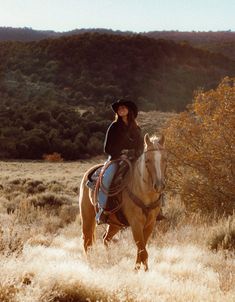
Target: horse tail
[[87, 214]]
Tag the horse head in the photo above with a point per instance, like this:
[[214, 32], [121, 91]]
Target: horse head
[[155, 158]]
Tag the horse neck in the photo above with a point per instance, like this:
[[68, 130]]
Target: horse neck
[[140, 173], [140, 183]]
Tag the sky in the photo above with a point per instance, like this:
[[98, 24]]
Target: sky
[[132, 15]]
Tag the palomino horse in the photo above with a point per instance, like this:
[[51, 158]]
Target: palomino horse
[[140, 200]]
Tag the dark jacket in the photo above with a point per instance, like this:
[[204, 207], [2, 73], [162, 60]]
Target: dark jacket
[[120, 137]]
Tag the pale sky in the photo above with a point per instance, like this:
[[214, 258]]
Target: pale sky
[[133, 15]]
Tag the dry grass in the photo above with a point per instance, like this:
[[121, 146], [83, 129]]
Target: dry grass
[[154, 121], [41, 256]]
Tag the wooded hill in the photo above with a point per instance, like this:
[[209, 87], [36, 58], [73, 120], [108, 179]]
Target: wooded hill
[[94, 69], [44, 83], [218, 42], [27, 34]]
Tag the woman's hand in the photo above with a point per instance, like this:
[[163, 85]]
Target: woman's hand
[[127, 154], [124, 156]]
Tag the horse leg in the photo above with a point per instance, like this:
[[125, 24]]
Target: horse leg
[[142, 255], [110, 232], [88, 230], [148, 231], [87, 213]]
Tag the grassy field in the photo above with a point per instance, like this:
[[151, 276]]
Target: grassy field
[[41, 255]]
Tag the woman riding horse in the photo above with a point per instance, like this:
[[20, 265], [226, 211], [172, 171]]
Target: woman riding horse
[[140, 200], [123, 140]]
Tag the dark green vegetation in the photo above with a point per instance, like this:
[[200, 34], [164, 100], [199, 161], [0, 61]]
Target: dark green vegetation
[[30, 130], [218, 42], [42, 85]]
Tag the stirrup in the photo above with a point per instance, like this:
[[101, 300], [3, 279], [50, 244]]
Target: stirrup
[[101, 217]]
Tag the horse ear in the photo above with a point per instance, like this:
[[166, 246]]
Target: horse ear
[[147, 139], [161, 140]]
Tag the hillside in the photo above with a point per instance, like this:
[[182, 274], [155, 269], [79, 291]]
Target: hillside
[[28, 34], [95, 68], [24, 34], [218, 42], [55, 94]]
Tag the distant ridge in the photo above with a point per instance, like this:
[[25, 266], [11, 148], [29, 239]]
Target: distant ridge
[[27, 34], [218, 42]]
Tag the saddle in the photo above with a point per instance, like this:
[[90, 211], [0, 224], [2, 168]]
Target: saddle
[[113, 201], [93, 177]]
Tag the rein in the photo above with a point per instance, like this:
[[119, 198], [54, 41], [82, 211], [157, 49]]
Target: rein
[[137, 201], [118, 188], [140, 204], [114, 191]]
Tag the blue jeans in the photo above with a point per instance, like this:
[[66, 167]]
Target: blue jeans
[[106, 181]]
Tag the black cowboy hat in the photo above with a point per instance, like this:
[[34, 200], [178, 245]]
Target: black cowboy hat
[[129, 104]]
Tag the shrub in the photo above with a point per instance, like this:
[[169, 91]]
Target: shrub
[[200, 143], [54, 157], [223, 236], [68, 213], [50, 200], [79, 291], [8, 291], [11, 240], [34, 186]]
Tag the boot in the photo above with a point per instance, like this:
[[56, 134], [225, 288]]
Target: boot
[[101, 217], [90, 184]]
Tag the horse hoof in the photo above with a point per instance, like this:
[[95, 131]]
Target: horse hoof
[[146, 268], [106, 243], [137, 267]]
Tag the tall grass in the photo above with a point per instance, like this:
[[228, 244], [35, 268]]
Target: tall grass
[[41, 255]]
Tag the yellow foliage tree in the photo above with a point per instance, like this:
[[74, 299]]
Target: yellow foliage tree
[[201, 145]]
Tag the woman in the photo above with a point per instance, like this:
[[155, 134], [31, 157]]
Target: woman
[[123, 140]]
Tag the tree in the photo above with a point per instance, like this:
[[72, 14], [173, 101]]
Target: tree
[[201, 147], [95, 145], [42, 116]]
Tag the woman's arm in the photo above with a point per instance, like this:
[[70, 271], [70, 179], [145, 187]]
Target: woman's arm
[[110, 143]]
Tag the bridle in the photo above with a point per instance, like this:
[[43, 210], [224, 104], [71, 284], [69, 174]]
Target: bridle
[[159, 147], [154, 204]]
